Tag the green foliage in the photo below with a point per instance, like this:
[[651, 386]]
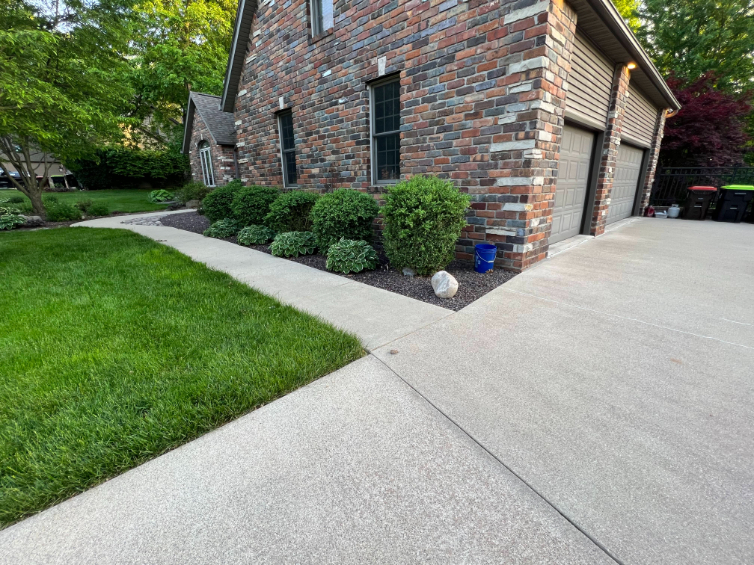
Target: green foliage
[[255, 235], [62, 212], [293, 244], [629, 11], [221, 229], [15, 200], [423, 220], [125, 168], [218, 204], [160, 196], [344, 213], [98, 209], [82, 205], [193, 190], [291, 211], [351, 256], [252, 203], [10, 218]]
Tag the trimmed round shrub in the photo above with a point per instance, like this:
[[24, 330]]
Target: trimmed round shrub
[[423, 220], [218, 204], [193, 190], [255, 235], [98, 209], [160, 196], [84, 205], [291, 211], [61, 211], [10, 218], [221, 229], [293, 244], [252, 203], [345, 213], [351, 256]]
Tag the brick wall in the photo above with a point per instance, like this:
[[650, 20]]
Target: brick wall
[[222, 155], [654, 154]]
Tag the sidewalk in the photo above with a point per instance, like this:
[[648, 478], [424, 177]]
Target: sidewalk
[[374, 315]]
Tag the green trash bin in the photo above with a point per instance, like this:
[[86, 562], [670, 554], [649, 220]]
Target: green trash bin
[[733, 201]]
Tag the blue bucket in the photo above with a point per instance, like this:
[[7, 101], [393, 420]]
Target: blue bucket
[[484, 257]]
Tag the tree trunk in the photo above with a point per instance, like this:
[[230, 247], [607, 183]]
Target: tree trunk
[[36, 202]]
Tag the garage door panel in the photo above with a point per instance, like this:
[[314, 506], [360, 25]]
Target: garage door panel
[[571, 188], [625, 182]]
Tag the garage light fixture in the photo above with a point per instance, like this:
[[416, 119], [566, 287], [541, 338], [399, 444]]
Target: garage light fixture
[[631, 66]]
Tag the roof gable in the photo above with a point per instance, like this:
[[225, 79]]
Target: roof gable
[[221, 125], [241, 34]]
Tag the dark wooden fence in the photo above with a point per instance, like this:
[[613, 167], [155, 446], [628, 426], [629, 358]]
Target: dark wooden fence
[[671, 182]]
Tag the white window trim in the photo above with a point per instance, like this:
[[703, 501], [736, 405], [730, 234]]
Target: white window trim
[[205, 158], [372, 144], [283, 164], [317, 17]]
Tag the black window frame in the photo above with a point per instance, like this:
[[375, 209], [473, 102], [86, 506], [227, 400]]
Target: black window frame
[[377, 129], [318, 16], [286, 151]]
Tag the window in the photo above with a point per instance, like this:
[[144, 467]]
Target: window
[[287, 148], [322, 16], [386, 136], [205, 156]]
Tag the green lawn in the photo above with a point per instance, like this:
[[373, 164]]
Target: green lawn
[[115, 349], [125, 200]]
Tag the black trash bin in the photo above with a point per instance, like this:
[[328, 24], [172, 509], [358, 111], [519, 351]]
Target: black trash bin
[[734, 199], [698, 199]]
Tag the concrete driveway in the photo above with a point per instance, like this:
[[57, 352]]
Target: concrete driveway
[[617, 380], [597, 409]]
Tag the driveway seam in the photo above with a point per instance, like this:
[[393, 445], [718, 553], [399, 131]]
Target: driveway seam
[[552, 505]]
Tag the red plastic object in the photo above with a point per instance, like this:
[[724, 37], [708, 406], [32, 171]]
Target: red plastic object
[[703, 188]]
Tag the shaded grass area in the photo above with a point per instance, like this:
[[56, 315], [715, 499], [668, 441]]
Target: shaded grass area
[[115, 349], [126, 200]]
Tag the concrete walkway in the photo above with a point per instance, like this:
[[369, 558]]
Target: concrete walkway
[[376, 316], [598, 408]]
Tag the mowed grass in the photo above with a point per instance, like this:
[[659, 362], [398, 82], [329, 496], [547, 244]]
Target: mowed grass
[[125, 200], [115, 349]]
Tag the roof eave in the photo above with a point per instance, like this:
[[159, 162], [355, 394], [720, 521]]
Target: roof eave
[[241, 32], [188, 126]]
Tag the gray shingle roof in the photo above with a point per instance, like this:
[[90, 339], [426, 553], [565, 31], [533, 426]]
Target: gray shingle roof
[[221, 124]]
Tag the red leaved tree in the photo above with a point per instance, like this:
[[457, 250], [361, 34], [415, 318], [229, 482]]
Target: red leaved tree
[[709, 130]]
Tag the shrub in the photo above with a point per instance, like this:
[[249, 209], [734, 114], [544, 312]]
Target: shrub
[[351, 256], [83, 205], [61, 211], [255, 235], [160, 196], [293, 244], [98, 209], [423, 220], [15, 200], [221, 229], [252, 203], [291, 211], [10, 218], [345, 213], [193, 190], [218, 204]]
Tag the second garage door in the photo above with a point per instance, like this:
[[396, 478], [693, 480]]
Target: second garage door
[[625, 183], [573, 179]]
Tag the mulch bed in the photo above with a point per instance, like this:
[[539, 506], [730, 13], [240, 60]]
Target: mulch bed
[[471, 285]]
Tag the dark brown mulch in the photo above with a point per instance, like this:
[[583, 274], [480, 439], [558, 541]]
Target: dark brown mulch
[[471, 285]]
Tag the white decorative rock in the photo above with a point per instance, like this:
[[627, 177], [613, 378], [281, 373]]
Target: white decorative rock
[[444, 284], [408, 271], [33, 221]]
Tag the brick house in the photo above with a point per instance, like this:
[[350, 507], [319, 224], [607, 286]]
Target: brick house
[[548, 113], [210, 140]]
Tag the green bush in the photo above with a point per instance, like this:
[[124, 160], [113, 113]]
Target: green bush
[[255, 235], [83, 205], [10, 218], [252, 203], [293, 244], [218, 204], [423, 220], [221, 229], [15, 200], [351, 256], [291, 211], [160, 196], [98, 209], [193, 190], [345, 213], [131, 168], [61, 211]]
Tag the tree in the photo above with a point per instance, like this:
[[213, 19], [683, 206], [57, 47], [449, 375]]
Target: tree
[[629, 11], [690, 38], [180, 45], [709, 130], [59, 87]]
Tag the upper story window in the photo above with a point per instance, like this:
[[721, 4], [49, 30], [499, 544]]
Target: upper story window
[[205, 158], [322, 16], [386, 136], [287, 148]]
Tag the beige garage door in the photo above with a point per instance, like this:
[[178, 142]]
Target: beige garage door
[[625, 183], [571, 189]]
